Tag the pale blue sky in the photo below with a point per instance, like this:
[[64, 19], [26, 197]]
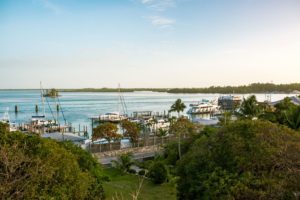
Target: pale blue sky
[[148, 43]]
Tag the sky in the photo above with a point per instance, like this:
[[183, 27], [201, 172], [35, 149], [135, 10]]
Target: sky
[[148, 43]]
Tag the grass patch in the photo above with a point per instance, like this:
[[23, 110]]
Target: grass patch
[[123, 185]]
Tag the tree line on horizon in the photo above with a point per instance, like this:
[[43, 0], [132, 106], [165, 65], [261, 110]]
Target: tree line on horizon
[[242, 89]]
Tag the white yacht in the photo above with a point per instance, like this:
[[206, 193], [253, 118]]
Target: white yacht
[[204, 107], [112, 117]]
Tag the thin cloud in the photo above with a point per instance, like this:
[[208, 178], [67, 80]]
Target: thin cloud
[[159, 5], [51, 6], [160, 21]]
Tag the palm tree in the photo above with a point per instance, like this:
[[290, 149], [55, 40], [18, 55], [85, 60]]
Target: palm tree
[[250, 107], [293, 118], [124, 162], [162, 133], [178, 107]]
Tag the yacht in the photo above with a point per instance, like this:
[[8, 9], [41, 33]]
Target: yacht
[[204, 107], [112, 117]]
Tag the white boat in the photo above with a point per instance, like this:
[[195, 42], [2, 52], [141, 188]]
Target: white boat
[[6, 120], [203, 108], [112, 117], [203, 121], [115, 116]]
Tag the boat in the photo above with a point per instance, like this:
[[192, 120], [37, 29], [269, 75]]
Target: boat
[[6, 120], [203, 107], [210, 121], [112, 117], [115, 117], [52, 93], [41, 120]]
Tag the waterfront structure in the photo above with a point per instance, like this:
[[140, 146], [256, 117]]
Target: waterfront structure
[[294, 99], [229, 102]]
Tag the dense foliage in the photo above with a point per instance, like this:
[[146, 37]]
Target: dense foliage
[[107, 130], [250, 107], [158, 173], [35, 168], [243, 160], [243, 89], [131, 130], [252, 88], [123, 162]]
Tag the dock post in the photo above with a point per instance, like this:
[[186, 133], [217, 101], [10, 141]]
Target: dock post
[[16, 109], [79, 130], [36, 108], [57, 107], [92, 126]]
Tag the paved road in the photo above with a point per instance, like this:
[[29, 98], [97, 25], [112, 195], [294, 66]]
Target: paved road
[[136, 156]]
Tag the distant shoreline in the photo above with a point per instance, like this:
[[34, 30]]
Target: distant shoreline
[[244, 89]]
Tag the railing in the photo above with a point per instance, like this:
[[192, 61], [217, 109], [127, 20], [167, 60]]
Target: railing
[[142, 142]]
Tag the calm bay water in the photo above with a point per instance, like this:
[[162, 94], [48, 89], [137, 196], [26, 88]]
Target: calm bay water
[[78, 107]]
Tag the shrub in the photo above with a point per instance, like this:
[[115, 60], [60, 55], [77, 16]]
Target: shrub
[[158, 173]]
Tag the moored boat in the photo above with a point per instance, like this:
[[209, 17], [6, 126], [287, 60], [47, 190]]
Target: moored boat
[[204, 107]]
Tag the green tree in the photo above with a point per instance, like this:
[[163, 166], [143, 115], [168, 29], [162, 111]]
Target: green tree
[[124, 162], [107, 131], [250, 107], [281, 108], [242, 160], [35, 168], [181, 127], [4, 128], [131, 130], [158, 172], [178, 107], [293, 118], [162, 133]]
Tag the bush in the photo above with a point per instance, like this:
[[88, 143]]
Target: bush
[[158, 173], [142, 172]]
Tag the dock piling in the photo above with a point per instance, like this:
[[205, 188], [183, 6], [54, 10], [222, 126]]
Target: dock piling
[[16, 109]]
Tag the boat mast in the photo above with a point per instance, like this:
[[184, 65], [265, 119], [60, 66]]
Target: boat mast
[[42, 95], [119, 98]]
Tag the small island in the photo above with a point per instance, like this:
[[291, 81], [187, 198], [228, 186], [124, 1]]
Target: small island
[[51, 93]]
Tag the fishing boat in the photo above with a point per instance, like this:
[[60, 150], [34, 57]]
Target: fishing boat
[[203, 107], [115, 117], [41, 120]]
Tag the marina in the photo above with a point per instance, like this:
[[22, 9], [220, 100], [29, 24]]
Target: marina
[[78, 112]]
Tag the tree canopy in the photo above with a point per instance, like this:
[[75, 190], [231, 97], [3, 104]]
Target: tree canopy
[[131, 130], [32, 167], [242, 160]]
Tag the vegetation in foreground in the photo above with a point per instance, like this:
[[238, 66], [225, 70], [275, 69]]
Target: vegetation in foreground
[[32, 167], [125, 186]]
